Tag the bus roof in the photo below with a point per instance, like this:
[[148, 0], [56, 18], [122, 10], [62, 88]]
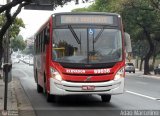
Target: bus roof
[[86, 18], [75, 13], [87, 13]]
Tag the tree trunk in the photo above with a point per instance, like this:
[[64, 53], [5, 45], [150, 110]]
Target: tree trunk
[[149, 54], [140, 68], [146, 66], [137, 63], [154, 60]]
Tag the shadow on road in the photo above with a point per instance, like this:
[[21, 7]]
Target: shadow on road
[[80, 101]]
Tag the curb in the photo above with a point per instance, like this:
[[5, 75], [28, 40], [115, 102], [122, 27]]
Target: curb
[[23, 104], [18, 103], [12, 108], [148, 76], [26, 62]]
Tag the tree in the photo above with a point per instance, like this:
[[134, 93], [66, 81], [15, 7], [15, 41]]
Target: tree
[[103, 6], [10, 18], [140, 17], [147, 19], [155, 52], [18, 43], [155, 4], [14, 29]]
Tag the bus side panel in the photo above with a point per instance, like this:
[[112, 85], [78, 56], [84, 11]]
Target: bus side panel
[[34, 62], [48, 56], [39, 67]]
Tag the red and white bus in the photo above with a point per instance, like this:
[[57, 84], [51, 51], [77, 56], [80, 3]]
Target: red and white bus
[[80, 54]]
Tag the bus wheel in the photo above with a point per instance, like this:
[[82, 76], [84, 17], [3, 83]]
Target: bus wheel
[[106, 98], [39, 88], [50, 98]]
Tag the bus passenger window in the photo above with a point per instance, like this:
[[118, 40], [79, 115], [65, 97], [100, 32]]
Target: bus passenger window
[[46, 36]]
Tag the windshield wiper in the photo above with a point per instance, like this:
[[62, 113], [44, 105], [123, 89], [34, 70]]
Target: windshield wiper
[[99, 34], [74, 34]]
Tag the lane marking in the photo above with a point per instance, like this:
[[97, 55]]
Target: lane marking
[[138, 94]]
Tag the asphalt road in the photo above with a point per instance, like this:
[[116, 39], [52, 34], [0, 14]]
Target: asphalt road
[[140, 94]]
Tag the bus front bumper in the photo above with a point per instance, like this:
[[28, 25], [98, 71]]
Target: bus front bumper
[[74, 88]]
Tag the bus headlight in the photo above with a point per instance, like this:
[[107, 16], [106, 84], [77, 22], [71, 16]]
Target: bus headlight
[[119, 74], [55, 74]]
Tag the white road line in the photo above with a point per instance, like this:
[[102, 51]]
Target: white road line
[[138, 94]]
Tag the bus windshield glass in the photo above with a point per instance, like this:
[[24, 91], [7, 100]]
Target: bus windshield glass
[[86, 45]]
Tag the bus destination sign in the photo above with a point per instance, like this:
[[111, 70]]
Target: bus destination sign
[[86, 19]]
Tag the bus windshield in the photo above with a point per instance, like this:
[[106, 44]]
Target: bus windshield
[[86, 45]]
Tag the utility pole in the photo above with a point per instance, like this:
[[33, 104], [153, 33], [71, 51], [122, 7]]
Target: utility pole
[[7, 66]]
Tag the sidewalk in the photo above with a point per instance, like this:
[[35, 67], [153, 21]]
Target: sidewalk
[[18, 103], [152, 75]]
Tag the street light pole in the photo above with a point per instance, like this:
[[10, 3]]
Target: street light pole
[[6, 70], [6, 67]]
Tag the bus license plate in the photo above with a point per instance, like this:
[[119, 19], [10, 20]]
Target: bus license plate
[[88, 87]]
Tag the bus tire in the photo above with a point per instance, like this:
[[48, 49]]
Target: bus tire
[[36, 76], [45, 84], [50, 98], [106, 98], [39, 88]]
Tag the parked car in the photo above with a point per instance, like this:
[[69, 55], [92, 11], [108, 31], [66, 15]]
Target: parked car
[[130, 67], [157, 70]]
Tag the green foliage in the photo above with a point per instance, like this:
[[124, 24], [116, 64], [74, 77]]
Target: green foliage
[[15, 27], [103, 6], [136, 14], [2, 19], [141, 19], [18, 43], [142, 22], [80, 10]]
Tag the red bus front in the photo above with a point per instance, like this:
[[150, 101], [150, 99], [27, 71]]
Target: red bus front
[[87, 55]]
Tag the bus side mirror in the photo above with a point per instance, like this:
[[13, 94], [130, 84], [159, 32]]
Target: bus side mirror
[[46, 37], [127, 43]]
